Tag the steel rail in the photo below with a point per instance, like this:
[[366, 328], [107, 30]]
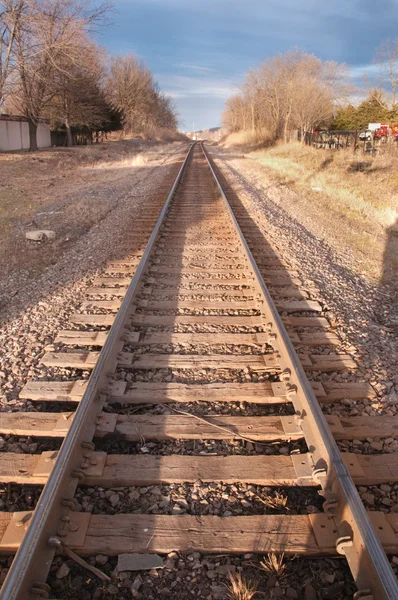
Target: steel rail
[[27, 575], [358, 541]]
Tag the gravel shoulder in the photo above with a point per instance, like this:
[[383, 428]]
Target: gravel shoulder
[[67, 190], [38, 300]]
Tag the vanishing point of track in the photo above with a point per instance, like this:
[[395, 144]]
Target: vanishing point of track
[[199, 318]]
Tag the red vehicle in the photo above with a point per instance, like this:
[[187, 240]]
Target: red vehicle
[[386, 130]]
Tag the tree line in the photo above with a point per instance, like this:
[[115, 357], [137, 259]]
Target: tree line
[[297, 91], [374, 109], [52, 70]]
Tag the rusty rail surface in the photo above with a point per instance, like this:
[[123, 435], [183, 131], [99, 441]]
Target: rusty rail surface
[[55, 517]]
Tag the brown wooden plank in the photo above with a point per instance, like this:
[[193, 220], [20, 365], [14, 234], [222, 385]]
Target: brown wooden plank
[[323, 338], [222, 262], [112, 535], [179, 282], [188, 427], [204, 245], [91, 338], [125, 470], [331, 362], [197, 361], [191, 293], [284, 291], [67, 391], [72, 360], [219, 304], [81, 338], [360, 428], [36, 423], [202, 254], [148, 392], [123, 533], [97, 320], [221, 320], [112, 281], [372, 469], [180, 293], [353, 391], [305, 339], [137, 427], [19, 468], [212, 339], [193, 271], [275, 281], [297, 305], [64, 391], [263, 362], [301, 321], [134, 427]]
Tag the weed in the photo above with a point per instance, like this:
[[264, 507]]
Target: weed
[[274, 564], [276, 501], [240, 588]]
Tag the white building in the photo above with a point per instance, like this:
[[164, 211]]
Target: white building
[[14, 134]]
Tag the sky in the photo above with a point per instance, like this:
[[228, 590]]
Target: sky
[[200, 50]]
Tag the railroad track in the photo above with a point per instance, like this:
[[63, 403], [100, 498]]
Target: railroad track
[[189, 323]]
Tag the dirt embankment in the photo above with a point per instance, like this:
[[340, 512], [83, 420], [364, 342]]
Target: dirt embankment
[[70, 191], [350, 200]]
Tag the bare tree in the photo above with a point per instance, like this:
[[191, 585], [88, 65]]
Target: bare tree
[[79, 99], [45, 46], [131, 90], [387, 60], [289, 91], [235, 117], [11, 16]]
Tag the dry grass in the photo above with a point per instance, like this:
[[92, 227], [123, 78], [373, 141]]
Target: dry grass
[[273, 564], [361, 184], [275, 501], [240, 588], [353, 198], [248, 140]]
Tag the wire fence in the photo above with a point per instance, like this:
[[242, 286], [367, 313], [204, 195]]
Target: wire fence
[[364, 141]]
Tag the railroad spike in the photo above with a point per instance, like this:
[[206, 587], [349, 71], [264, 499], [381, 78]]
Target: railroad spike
[[285, 375], [330, 506], [78, 474], [88, 446], [319, 473], [70, 503], [41, 589], [291, 392], [343, 542]]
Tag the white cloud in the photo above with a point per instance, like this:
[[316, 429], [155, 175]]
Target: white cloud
[[196, 68], [369, 70], [179, 86]]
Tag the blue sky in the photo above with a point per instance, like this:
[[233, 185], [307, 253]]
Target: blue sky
[[199, 50]]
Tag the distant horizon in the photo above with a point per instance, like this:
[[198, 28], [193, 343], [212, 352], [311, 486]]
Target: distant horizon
[[199, 52]]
